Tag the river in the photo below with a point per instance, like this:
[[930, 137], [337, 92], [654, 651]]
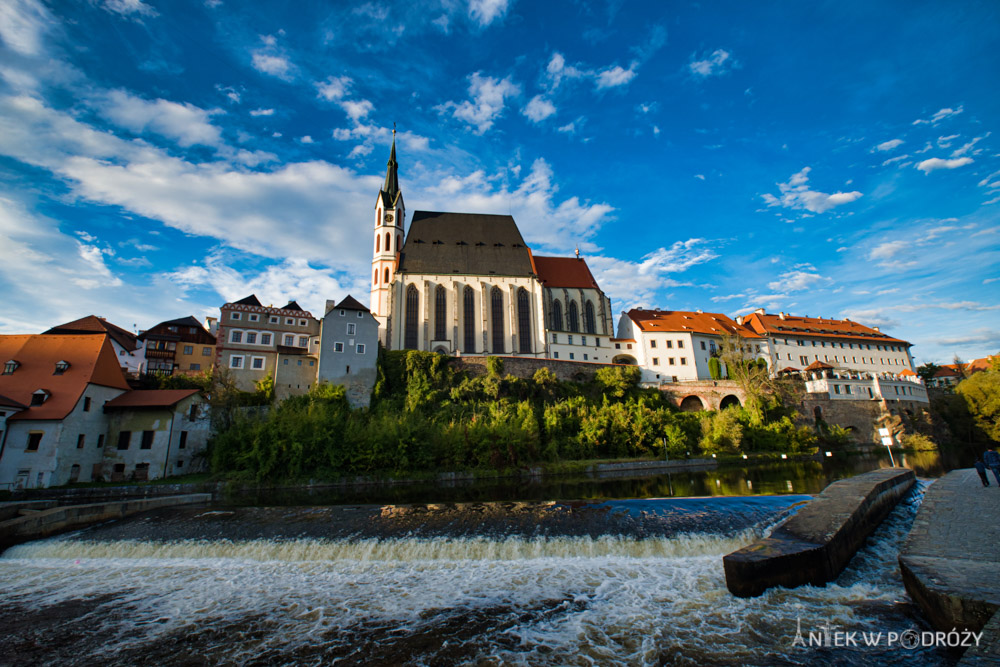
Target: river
[[622, 581]]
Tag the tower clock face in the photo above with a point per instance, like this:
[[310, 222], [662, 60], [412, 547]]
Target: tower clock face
[[388, 217]]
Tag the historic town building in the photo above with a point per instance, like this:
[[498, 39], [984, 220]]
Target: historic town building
[[178, 347]]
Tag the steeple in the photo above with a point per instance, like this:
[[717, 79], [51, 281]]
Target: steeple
[[391, 188]]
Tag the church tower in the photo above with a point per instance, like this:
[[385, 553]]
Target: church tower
[[389, 217]]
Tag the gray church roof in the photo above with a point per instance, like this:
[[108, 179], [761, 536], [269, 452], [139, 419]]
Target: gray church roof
[[464, 243]]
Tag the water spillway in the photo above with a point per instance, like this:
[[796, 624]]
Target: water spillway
[[622, 582]]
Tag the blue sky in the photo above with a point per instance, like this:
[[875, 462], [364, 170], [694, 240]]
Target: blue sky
[[826, 159]]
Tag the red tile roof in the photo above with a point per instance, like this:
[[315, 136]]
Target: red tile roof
[[713, 324], [816, 327], [92, 360], [818, 366], [149, 398], [564, 272], [92, 324], [11, 403]]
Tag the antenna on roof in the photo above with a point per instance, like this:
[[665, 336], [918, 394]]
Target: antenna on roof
[[578, 252]]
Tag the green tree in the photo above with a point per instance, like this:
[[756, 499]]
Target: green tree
[[715, 368], [927, 371], [750, 373], [981, 392]]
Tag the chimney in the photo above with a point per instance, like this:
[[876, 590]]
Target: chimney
[[698, 311], [760, 311], [877, 329], [781, 315], [739, 320]]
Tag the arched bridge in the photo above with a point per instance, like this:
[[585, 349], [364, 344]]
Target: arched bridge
[[704, 395]]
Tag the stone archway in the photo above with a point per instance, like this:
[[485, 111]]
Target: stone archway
[[692, 404], [626, 359], [729, 400]]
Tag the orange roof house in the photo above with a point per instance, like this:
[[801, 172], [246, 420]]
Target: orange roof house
[[712, 324], [58, 366], [767, 324], [564, 272]]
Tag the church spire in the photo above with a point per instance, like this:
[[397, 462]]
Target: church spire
[[391, 187]]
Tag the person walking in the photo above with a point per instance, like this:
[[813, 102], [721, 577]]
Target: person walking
[[981, 469], [992, 461]]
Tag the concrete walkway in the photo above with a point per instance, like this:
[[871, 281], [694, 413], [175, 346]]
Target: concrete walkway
[[951, 560]]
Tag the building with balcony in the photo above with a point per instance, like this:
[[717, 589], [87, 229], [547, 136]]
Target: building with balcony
[[178, 347]]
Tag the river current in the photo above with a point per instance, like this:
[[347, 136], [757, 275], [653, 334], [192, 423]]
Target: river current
[[621, 582]]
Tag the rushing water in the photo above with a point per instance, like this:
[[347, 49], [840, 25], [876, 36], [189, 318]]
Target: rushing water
[[631, 582]]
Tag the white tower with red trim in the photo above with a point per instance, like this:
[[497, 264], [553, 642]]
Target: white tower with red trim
[[390, 215]]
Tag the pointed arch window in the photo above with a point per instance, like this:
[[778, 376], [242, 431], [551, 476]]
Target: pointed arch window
[[469, 320], [375, 278], [440, 310], [589, 324], [377, 239], [574, 317], [496, 319], [557, 320], [523, 321], [388, 242], [385, 280], [412, 303]]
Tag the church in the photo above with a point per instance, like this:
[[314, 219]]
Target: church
[[468, 284]]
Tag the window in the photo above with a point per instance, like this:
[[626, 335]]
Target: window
[[574, 317], [61, 367], [361, 348], [684, 361], [303, 323], [836, 388], [583, 340], [410, 327], [804, 360], [147, 440], [303, 341], [86, 403], [703, 345], [251, 339], [235, 316], [847, 389], [570, 355], [557, 318], [206, 351], [496, 319], [236, 361], [34, 440], [352, 328], [555, 338], [10, 367], [386, 276], [253, 317], [236, 337], [290, 321], [38, 397], [100, 441], [671, 360], [652, 344], [183, 441], [80, 441], [273, 319], [523, 322], [289, 340], [570, 339], [195, 367], [265, 339], [338, 347], [440, 310], [656, 361], [585, 358], [257, 363], [555, 355], [124, 439], [180, 464], [680, 345], [469, 320], [589, 323]]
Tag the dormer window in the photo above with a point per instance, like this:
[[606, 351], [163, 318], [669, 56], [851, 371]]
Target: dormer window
[[39, 397], [10, 367], [61, 367]]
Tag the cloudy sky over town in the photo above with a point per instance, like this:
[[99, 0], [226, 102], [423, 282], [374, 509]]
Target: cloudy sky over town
[[834, 159]]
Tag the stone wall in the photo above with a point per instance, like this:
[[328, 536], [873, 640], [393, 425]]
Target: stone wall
[[525, 367], [861, 416], [711, 394]]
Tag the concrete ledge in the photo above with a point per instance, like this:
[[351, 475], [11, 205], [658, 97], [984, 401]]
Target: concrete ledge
[[951, 562], [60, 519], [9, 510], [815, 545]]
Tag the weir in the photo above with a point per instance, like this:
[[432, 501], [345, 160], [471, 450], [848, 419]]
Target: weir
[[815, 545]]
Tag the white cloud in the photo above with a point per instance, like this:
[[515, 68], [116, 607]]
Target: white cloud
[[557, 70], [129, 7], [717, 63], [538, 109], [274, 65], [801, 277], [958, 152], [889, 145], [894, 160], [23, 24], [306, 139], [700, 177], [935, 163], [795, 194], [888, 250], [939, 116], [634, 284], [187, 124], [568, 128], [616, 76], [487, 103], [357, 109], [485, 12], [945, 142], [262, 112], [334, 88]]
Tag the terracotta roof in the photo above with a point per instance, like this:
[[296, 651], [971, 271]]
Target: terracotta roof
[[149, 398], [11, 403], [473, 244], [92, 360], [350, 303], [948, 371], [162, 331], [816, 327], [92, 324], [564, 272], [906, 372], [983, 364], [683, 321], [819, 366]]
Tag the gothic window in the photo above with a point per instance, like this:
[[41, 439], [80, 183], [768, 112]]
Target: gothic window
[[557, 323], [377, 239], [412, 303], [386, 278], [588, 318], [469, 320], [375, 277], [388, 245], [523, 321], [574, 317], [440, 303], [397, 242], [496, 304]]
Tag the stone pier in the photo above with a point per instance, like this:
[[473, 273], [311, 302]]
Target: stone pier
[[814, 545]]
